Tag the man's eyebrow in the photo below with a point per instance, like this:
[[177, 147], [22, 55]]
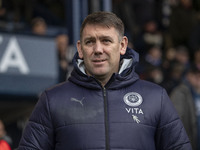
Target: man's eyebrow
[[105, 37], [88, 38], [100, 37]]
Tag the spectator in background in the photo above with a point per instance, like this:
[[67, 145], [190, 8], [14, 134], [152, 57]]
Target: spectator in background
[[154, 56], [153, 61], [175, 68], [182, 20], [182, 56], [154, 74], [5, 140], [186, 99], [150, 36], [174, 77], [150, 66], [194, 40], [62, 43], [39, 26], [197, 58], [168, 58]]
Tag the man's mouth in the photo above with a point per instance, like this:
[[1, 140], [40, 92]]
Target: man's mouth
[[99, 61], [102, 60]]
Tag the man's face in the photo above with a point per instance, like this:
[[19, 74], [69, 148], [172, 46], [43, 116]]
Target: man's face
[[100, 48]]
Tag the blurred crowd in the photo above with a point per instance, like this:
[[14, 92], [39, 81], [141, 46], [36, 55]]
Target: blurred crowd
[[166, 34], [18, 15]]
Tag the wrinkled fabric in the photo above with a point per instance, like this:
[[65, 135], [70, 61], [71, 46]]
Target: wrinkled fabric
[[128, 114]]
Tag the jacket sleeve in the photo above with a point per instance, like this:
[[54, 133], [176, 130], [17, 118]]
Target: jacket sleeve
[[38, 133], [170, 134]]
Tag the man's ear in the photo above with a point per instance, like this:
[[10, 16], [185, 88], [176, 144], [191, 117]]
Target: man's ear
[[78, 46], [124, 43]]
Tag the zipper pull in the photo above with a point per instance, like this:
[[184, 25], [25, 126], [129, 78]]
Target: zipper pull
[[104, 91]]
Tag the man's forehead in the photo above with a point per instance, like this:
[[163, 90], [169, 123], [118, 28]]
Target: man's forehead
[[102, 31], [98, 25], [91, 27]]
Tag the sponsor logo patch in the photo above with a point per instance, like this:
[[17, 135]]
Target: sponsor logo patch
[[133, 99]]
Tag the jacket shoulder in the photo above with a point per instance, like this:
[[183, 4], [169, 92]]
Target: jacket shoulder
[[147, 85]]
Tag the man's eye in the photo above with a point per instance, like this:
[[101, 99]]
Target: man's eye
[[88, 42], [106, 41]]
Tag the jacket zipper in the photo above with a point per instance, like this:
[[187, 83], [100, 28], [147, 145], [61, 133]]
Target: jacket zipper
[[106, 119]]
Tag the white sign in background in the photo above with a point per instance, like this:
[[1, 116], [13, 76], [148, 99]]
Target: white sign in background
[[28, 64]]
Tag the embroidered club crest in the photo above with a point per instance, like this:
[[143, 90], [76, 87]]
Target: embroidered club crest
[[133, 99]]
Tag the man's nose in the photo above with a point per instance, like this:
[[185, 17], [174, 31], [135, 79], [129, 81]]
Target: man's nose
[[98, 48]]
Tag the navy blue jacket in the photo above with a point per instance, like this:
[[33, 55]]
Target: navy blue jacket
[[126, 114]]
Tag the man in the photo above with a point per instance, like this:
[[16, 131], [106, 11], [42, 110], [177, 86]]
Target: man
[[104, 105], [186, 99]]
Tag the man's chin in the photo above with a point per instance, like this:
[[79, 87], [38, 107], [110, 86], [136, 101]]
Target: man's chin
[[99, 74]]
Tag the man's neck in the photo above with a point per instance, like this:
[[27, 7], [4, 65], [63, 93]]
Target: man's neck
[[103, 79]]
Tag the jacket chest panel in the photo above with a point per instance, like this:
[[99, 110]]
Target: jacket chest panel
[[132, 107], [82, 108]]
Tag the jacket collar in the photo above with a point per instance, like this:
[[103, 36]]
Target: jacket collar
[[125, 76], [125, 61]]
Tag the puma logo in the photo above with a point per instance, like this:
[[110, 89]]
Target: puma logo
[[79, 101]]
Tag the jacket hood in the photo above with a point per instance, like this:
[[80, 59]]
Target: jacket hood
[[124, 77]]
